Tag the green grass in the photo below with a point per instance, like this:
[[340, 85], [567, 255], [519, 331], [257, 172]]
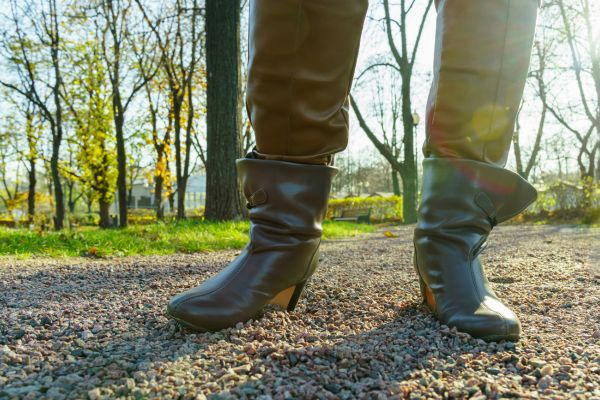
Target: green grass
[[182, 237]]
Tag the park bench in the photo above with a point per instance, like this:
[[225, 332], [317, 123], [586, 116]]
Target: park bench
[[360, 215], [7, 223]]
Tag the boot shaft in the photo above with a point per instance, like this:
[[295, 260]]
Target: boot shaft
[[285, 197]]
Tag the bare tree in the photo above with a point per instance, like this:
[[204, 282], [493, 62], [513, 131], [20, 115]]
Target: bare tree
[[125, 82], [584, 50], [27, 130], [179, 38], [160, 136], [403, 56], [43, 90], [10, 187], [29, 155], [525, 165]]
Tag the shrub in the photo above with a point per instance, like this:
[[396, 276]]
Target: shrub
[[382, 208], [567, 202], [83, 219]]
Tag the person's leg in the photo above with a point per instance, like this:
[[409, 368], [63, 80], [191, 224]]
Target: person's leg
[[481, 61], [302, 55], [301, 62]]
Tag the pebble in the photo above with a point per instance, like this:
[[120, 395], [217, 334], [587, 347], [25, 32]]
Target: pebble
[[545, 382], [537, 363], [94, 394], [130, 384], [546, 370]]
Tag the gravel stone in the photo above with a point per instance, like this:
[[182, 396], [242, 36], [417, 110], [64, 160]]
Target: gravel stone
[[537, 363], [546, 370], [94, 394]]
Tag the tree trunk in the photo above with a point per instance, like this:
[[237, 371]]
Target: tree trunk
[[57, 139], [104, 214], [32, 159], [31, 193], [172, 201], [122, 168], [59, 215], [395, 183], [177, 103], [70, 200], [409, 175], [158, 189], [181, 188], [223, 201]]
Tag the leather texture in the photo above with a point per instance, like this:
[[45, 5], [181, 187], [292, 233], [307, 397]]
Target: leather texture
[[302, 55], [287, 203], [482, 55], [462, 200]]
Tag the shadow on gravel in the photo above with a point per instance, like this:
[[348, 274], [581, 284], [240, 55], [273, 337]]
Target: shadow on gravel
[[412, 354], [137, 343]]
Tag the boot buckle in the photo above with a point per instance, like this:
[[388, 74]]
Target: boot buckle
[[257, 198]]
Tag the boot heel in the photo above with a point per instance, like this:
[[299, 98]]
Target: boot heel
[[425, 291], [427, 294], [288, 298], [296, 296]]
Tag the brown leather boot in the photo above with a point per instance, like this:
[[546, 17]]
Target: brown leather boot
[[462, 201], [287, 203], [482, 57]]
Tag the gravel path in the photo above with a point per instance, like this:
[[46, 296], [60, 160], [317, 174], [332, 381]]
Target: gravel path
[[80, 328]]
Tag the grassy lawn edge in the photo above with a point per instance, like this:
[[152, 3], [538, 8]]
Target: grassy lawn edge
[[155, 239]]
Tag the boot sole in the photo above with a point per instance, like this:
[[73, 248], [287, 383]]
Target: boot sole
[[186, 324]]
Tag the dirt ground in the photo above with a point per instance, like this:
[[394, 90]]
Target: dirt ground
[[86, 328]]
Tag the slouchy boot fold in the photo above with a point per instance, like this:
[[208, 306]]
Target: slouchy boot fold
[[287, 203], [462, 201]]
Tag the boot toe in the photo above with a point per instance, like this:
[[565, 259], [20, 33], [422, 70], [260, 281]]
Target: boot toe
[[488, 325], [204, 313], [183, 309], [513, 329]]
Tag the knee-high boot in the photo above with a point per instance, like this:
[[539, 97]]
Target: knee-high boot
[[301, 61], [481, 63]]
